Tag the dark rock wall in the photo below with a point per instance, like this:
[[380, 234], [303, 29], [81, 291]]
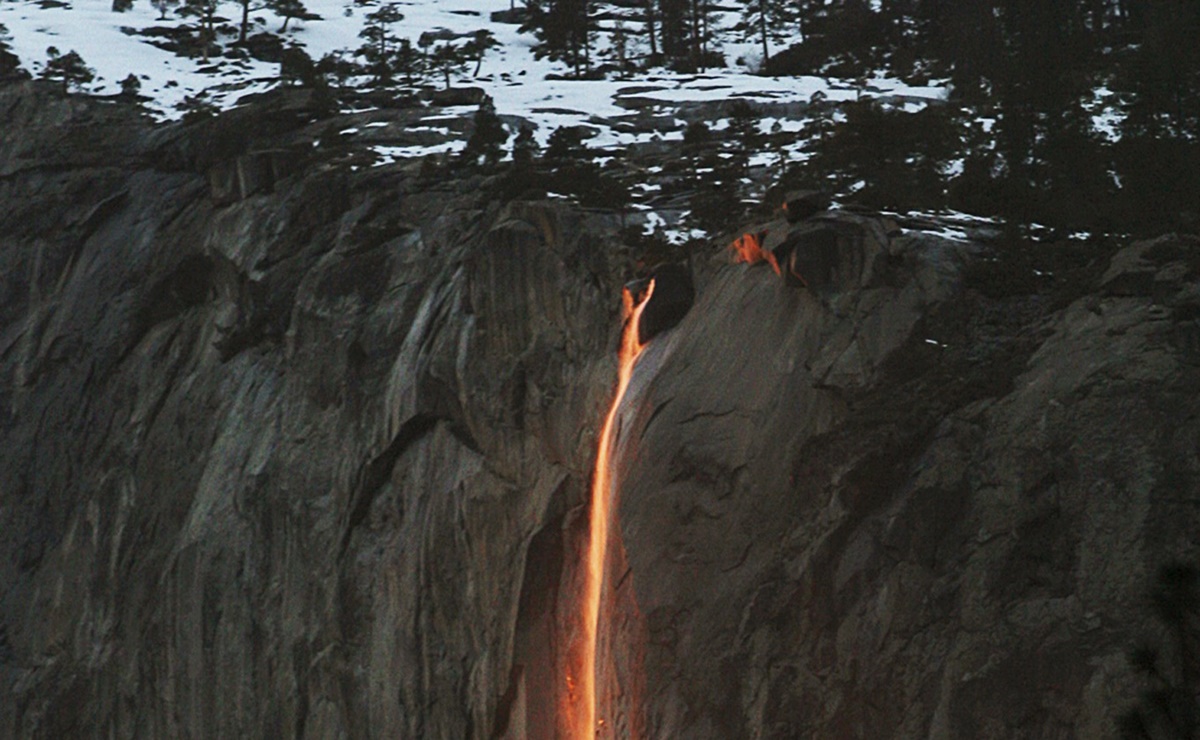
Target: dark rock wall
[[933, 508], [295, 449], [272, 467]]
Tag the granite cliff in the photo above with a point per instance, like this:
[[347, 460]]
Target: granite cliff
[[294, 448]]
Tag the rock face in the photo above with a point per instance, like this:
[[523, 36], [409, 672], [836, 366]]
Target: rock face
[[292, 449]]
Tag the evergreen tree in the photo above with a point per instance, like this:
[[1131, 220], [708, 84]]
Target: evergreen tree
[[248, 7], [565, 144], [522, 179], [288, 10], [131, 86], [674, 29], [446, 59], [10, 64], [479, 44], [744, 122], [407, 61], [205, 12], [618, 43], [334, 66], [701, 15], [381, 42], [67, 68], [1164, 73], [196, 107], [525, 147], [765, 20], [296, 66], [716, 202], [487, 136], [564, 29], [651, 12]]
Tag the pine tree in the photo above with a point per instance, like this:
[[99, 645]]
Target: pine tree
[[764, 20], [380, 41], [525, 147], [205, 12], [564, 29], [10, 64], [744, 122], [196, 107], [672, 28], [479, 44], [408, 61], [67, 68], [564, 145], [248, 7], [487, 137], [131, 86], [446, 59], [700, 36], [296, 66], [651, 31], [287, 10], [618, 42]]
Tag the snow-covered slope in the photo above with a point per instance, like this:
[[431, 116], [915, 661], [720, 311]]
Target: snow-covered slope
[[511, 74], [618, 113]]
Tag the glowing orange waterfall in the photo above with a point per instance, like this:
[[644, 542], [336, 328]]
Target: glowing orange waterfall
[[585, 721]]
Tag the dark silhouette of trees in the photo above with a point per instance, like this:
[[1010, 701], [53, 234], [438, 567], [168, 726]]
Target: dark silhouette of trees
[[446, 59], [10, 64], [288, 10], [69, 69], [764, 20], [248, 7], [477, 46], [488, 136], [380, 42], [564, 30], [205, 13]]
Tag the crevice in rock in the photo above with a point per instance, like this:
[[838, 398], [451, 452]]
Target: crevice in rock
[[654, 415], [527, 707], [189, 285], [376, 472]]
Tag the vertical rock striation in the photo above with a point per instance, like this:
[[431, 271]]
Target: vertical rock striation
[[294, 448]]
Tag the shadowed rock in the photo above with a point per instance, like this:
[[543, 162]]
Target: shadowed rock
[[673, 297], [801, 204], [311, 463]]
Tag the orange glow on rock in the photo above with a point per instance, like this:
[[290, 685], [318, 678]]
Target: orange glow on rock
[[584, 722], [748, 248]]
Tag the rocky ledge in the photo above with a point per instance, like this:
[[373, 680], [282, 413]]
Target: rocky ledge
[[294, 449]]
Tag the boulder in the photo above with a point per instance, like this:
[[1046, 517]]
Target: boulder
[[457, 96], [512, 16]]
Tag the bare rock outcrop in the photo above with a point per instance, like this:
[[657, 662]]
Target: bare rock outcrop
[[911, 516], [297, 448]]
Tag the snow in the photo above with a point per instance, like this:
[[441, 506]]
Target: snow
[[511, 75], [392, 154], [617, 113], [1106, 113]]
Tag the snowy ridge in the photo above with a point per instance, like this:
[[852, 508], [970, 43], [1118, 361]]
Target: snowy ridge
[[510, 74], [617, 114]]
